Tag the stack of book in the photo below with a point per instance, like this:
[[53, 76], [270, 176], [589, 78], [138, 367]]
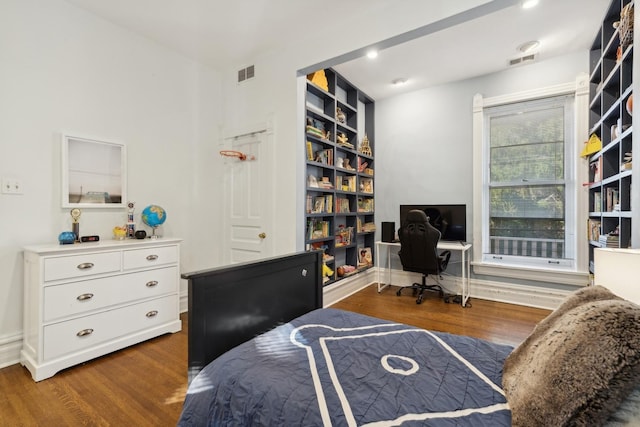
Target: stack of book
[[609, 240]]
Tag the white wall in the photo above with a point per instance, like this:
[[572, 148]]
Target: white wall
[[63, 69]]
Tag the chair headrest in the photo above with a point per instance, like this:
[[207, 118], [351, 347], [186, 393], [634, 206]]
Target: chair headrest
[[417, 215]]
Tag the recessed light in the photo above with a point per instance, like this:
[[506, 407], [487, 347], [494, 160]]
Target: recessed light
[[399, 81], [528, 4], [529, 46], [372, 54]]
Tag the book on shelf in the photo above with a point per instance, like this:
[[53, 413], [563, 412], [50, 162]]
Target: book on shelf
[[593, 229], [309, 204], [318, 205], [366, 185], [609, 241], [596, 169], [342, 205], [365, 204], [317, 229], [328, 203], [597, 202], [368, 227], [612, 199], [364, 257], [349, 183], [344, 236], [324, 156], [309, 151]]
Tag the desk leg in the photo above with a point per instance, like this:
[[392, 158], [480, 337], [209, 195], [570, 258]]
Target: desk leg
[[379, 266], [388, 265], [465, 279]]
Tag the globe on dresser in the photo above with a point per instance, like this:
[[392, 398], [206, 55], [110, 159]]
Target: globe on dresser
[[154, 216]]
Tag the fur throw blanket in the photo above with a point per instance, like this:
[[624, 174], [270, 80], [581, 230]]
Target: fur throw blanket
[[579, 363]]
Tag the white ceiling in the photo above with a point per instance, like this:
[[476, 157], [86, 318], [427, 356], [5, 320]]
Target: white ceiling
[[226, 33]]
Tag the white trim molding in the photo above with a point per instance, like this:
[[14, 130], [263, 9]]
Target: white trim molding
[[10, 346], [577, 274], [335, 292], [510, 293]]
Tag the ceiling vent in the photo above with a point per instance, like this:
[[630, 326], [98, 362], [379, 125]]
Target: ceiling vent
[[522, 59], [246, 73]]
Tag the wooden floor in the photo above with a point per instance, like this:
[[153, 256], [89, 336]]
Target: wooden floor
[[144, 385]]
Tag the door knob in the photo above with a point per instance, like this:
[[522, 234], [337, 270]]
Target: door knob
[[262, 235]]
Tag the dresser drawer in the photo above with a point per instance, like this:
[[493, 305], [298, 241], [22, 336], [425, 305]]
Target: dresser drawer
[[66, 267], [148, 257], [71, 299], [86, 332]]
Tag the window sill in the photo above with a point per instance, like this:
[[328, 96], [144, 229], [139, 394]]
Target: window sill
[[565, 277]]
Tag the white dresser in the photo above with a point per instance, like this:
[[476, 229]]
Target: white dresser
[[84, 300]]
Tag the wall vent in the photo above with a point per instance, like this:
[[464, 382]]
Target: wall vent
[[523, 59], [246, 73]]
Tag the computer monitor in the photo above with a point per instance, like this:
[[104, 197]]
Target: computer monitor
[[450, 220]]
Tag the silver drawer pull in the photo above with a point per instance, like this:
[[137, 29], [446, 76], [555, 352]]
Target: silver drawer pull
[[152, 283], [152, 313], [152, 257], [84, 297], [85, 266], [85, 332]]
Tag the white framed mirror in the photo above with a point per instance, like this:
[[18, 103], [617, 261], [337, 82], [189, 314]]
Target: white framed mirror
[[93, 173]]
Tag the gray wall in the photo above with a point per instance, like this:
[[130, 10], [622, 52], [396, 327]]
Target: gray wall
[[424, 150]]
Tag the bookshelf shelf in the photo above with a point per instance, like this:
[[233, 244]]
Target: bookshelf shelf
[[611, 211], [338, 173]]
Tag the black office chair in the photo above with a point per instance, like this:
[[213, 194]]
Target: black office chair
[[419, 253]]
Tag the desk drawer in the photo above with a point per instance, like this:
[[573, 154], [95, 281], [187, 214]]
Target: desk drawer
[[148, 257], [70, 299], [86, 332], [66, 267]]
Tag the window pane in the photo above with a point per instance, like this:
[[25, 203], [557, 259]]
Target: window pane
[[543, 201], [527, 146], [526, 181]]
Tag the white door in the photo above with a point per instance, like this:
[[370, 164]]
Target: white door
[[248, 198]]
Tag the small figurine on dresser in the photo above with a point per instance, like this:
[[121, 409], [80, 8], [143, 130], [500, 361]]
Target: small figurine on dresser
[[131, 225]]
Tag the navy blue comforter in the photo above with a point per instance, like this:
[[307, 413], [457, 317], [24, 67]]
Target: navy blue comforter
[[332, 367]]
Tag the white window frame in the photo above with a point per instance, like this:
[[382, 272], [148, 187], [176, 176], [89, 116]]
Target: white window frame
[[575, 272]]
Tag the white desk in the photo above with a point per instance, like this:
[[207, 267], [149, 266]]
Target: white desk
[[463, 248]]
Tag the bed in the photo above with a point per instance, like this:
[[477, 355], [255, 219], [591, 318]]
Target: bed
[[330, 367]]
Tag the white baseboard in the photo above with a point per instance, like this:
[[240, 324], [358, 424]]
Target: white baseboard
[[531, 296], [10, 347], [184, 302], [335, 292]]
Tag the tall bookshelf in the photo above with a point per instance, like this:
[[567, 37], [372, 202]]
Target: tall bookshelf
[[340, 173], [611, 211]]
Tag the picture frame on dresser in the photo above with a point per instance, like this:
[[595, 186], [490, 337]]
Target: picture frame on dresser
[[94, 173]]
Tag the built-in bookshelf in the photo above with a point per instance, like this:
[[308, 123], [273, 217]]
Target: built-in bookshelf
[[611, 211], [340, 174]]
